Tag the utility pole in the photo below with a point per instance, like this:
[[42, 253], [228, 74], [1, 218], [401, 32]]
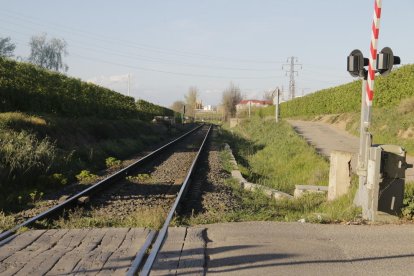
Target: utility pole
[[276, 101], [250, 106], [129, 84], [292, 72]]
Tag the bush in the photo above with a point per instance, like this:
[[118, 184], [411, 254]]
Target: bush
[[24, 157], [149, 110], [27, 88], [389, 91]]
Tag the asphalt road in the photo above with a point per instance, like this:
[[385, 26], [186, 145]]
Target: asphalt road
[[277, 248], [325, 138]]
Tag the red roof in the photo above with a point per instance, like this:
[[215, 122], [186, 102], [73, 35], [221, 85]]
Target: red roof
[[256, 102]]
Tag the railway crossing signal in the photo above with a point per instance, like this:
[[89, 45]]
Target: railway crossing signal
[[381, 168], [384, 63]]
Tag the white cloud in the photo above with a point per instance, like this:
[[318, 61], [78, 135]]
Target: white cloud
[[109, 81]]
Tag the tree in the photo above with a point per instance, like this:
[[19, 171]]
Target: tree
[[231, 97], [48, 54], [6, 47], [191, 100], [178, 106], [269, 95]]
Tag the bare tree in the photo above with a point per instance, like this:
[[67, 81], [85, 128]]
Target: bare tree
[[48, 54], [191, 100], [178, 106], [6, 47], [231, 97], [269, 95]]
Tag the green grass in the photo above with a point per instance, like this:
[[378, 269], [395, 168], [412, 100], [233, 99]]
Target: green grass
[[42, 152], [275, 156], [146, 217], [255, 206], [257, 137], [391, 125]]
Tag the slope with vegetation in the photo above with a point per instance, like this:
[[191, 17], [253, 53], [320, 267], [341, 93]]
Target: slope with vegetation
[[393, 108], [272, 154], [275, 156], [389, 91], [52, 127]]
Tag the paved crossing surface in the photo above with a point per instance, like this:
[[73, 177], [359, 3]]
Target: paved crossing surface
[[275, 248], [240, 248], [106, 251]]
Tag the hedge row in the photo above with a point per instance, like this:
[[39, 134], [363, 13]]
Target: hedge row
[[28, 88], [389, 91], [150, 110]]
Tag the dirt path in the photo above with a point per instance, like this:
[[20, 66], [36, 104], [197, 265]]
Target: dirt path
[[325, 138]]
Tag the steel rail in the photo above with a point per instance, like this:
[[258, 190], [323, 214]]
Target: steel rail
[[110, 179], [164, 230]]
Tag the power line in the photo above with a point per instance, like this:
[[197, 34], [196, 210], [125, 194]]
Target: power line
[[32, 20], [164, 71], [93, 48]]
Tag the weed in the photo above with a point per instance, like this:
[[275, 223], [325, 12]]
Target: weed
[[86, 177], [112, 162], [55, 179], [6, 222], [147, 217], [408, 209], [142, 177]]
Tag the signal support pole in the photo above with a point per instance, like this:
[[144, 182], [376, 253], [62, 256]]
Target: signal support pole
[[276, 101], [365, 140]]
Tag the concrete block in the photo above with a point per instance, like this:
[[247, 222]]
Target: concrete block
[[238, 176], [339, 174], [234, 122], [301, 189], [248, 186], [268, 191], [281, 195], [255, 187]]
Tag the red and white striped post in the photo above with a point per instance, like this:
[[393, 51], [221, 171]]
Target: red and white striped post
[[373, 52], [368, 85], [367, 96]]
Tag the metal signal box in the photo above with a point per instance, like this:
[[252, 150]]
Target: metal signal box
[[385, 180]]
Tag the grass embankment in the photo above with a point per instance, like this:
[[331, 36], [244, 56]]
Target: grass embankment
[[389, 92], [274, 155], [27, 88], [392, 118], [53, 127], [43, 152], [390, 125], [393, 108]]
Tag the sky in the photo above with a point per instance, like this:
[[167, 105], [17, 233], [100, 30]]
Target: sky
[[168, 46]]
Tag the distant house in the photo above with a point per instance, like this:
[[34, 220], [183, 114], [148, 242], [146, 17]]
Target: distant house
[[209, 107], [244, 104]]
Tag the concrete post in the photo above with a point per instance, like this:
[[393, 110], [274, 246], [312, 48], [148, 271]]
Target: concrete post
[[276, 101], [339, 174]]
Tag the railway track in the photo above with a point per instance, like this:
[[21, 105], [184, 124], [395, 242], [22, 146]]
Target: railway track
[[131, 184]]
